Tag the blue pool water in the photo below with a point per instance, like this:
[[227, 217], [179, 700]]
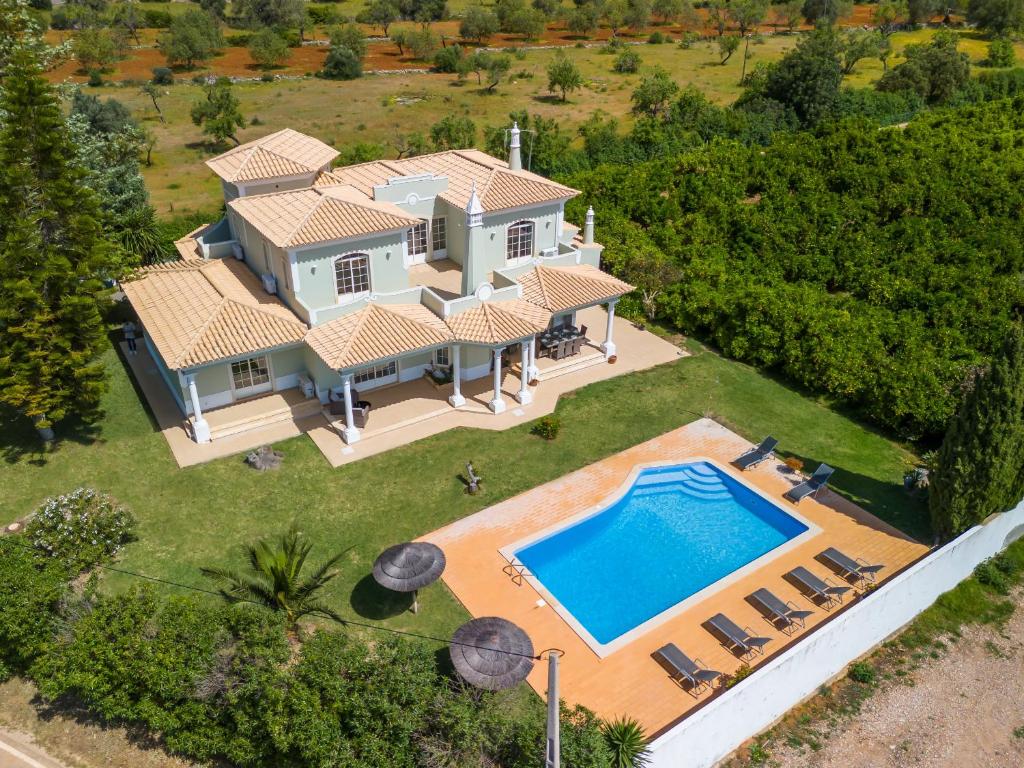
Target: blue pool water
[[677, 530]]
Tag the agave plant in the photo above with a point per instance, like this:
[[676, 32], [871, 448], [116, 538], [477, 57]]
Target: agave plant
[[274, 578], [628, 743]]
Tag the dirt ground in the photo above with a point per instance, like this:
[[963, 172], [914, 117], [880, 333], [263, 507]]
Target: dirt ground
[[965, 710]]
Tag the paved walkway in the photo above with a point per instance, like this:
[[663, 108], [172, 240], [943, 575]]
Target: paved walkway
[[18, 751]]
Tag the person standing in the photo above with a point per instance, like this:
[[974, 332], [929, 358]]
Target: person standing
[[129, 336]]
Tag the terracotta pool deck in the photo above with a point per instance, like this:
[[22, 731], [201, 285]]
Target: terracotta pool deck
[[628, 680]]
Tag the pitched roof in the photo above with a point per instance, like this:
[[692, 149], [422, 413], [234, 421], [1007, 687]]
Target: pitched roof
[[187, 246], [559, 288], [499, 187], [284, 153], [307, 216], [379, 331], [198, 312], [496, 322], [363, 177]]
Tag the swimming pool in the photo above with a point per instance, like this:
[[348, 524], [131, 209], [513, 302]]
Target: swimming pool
[[675, 531]]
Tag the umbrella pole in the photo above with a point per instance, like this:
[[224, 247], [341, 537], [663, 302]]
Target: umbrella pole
[[415, 601], [553, 757]]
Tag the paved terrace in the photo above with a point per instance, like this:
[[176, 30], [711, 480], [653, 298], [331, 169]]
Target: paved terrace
[[628, 681], [402, 413]]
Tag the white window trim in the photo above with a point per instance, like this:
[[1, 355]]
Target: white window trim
[[447, 354], [377, 381], [426, 241], [439, 253], [348, 298], [533, 244], [231, 373]]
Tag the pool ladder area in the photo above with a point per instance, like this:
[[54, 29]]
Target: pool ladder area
[[515, 571], [695, 480]]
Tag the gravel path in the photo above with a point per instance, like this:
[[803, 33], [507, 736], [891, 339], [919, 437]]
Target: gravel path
[[956, 712]]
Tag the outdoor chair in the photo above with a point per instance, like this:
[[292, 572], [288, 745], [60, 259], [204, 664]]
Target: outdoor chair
[[851, 569], [811, 486], [583, 332], [757, 454], [685, 670], [776, 611], [360, 414], [734, 638], [558, 351], [816, 588], [575, 345]]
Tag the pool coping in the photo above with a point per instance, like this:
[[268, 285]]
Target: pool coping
[[605, 649]]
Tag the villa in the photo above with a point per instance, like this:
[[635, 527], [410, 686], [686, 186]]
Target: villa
[[325, 283]]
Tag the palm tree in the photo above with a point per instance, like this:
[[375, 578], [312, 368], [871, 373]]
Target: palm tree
[[628, 743], [274, 578]]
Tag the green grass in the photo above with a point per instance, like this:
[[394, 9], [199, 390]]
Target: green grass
[[194, 517]]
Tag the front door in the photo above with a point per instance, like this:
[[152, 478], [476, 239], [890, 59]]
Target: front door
[[416, 242], [251, 377]]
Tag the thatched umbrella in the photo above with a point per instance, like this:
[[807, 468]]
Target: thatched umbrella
[[492, 653], [409, 567]]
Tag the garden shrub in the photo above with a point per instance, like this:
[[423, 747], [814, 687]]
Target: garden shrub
[[657, 38], [627, 61], [1001, 53], [547, 427], [81, 528], [862, 672], [449, 58], [156, 19], [163, 76], [342, 64], [30, 590]]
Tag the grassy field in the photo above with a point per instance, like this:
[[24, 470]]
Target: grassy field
[[194, 517], [379, 108]]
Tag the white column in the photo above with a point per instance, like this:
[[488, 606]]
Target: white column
[[351, 434], [456, 399], [609, 345], [534, 371], [525, 396], [497, 405], [200, 429]]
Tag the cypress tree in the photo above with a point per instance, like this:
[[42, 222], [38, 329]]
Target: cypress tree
[[52, 258], [980, 468]]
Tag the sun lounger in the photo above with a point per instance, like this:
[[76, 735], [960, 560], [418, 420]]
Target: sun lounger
[[684, 669], [851, 569], [811, 486], [777, 611], [735, 638], [757, 454], [814, 587]]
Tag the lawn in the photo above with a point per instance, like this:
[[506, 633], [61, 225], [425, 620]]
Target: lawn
[[195, 517]]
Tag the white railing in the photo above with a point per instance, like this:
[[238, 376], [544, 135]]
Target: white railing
[[756, 703]]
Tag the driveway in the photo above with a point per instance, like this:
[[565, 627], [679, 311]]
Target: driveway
[[17, 751]]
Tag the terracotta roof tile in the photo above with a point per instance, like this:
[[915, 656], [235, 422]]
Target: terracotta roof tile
[[377, 332], [199, 312], [187, 247], [363, 177], [284, 153], [498, 322], [306, 216], [560, 288]]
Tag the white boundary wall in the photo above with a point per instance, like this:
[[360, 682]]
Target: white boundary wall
[[756, 703]]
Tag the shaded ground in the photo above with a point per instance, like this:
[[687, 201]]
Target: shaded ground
[[67, 740], [965, 709]]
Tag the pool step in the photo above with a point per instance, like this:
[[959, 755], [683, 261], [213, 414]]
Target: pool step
[[713, 494]]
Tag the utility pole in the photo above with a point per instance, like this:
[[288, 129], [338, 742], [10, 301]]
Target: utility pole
[[554, 749]]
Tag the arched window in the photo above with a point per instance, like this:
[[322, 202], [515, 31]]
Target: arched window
[[519, 242], [352, 275]]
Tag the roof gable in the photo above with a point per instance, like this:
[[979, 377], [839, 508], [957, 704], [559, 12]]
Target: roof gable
[[560, 288], [496, 322], [284, 153]]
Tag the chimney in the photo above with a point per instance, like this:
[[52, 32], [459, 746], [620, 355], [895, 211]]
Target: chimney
[[515, 160], [588, 227], [473, 272]]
